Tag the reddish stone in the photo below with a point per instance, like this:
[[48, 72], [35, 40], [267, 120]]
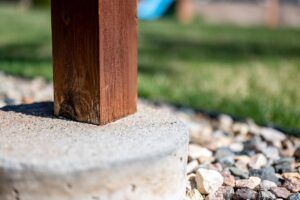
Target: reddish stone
[[280, 192], [228, 179]]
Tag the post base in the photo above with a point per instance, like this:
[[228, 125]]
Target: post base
[[141, 157]]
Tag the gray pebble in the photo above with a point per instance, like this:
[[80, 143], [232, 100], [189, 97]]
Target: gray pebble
[[265, 195], [295, 196], [239, 173], [267, 173], [245, 194]]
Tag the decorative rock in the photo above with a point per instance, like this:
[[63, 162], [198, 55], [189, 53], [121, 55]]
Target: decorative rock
[[199, 133], [2, 103], [191, 182], [273, 136], [288, 148], [204, 160], [241, 165], [266, 195], [242, 162], [226, 162], [208, 181], [236, 147], [288, 160], [220, 139], [271, 153], [267, 173], [224, 152], [196, 152], [214, 196], [217, 166], [292, 184], [294, 196], [284, 165], [9, 101], [225, 157], [255, 144], [224, 192], [17, 91], [228, 179], [291, 176], [267, 185], [244, 194], [239, 173], [253, 128], [280, 192], [297, 153], [225, 122], [210, 166], [283, 168], [258, 161], [240, 128], [194, 194], [192, 166], [292, 181], [227, 192], [250, 183]]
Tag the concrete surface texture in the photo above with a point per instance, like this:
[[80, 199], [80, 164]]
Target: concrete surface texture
[[140, 157]]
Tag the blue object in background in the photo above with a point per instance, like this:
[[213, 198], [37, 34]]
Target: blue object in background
[[153, 9]]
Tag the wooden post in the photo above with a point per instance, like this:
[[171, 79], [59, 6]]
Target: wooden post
[[25, 4], [272, 13], [185, 11], [95, 59]]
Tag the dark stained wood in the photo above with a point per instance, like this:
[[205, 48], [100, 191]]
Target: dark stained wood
[[95, 59]]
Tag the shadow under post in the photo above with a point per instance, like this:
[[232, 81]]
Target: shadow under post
[[41, 109]]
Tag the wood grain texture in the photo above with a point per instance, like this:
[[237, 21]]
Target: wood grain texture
[[95, 59]]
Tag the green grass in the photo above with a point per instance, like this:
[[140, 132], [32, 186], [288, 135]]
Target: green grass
[[246, 72]]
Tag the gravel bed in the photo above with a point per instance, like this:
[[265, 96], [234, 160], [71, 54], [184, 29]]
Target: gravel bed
[[238, 159], [228, 159]]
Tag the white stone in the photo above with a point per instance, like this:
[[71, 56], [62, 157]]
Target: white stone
[[250, 183], [236, 147], [253, 127], [196, 152], [200, 133], [267, 185], [194, 194], [273, 136], [241, 128], [193, 126], [2, 103], [225, 122], [208, 181], [191, 166], [271, 153], [258, 161]]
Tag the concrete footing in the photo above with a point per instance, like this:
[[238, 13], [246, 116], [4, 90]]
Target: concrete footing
[[141, 157]]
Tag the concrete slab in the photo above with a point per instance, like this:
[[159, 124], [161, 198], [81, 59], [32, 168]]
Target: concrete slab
[[141, 157]]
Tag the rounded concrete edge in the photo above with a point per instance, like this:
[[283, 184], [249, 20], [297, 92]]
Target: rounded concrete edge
[[160, 176]]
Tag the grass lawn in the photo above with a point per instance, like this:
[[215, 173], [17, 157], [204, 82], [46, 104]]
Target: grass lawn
[[246, 72]]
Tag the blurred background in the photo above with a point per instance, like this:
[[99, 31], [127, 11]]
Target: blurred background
[[239, 57]]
